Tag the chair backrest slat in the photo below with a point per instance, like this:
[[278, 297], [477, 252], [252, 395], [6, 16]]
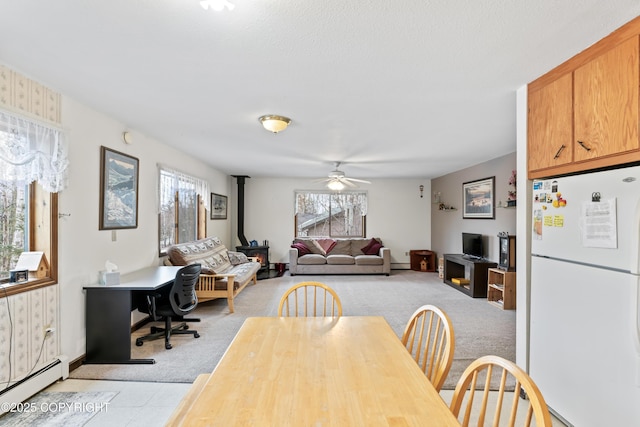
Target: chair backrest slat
[[429, 338], [314, 299], [506, 373]]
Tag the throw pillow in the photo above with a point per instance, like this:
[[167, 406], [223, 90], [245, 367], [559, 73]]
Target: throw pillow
[[373, 249], [302, 248], [372, 242], [237, 258]]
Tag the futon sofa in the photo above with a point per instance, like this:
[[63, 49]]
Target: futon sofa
[[224, 273], [339, 256]]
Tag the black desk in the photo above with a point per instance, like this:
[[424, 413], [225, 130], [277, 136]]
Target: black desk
[[108, 314]]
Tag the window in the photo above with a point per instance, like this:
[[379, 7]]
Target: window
[[33, 168], [182, 208], [330, 214]]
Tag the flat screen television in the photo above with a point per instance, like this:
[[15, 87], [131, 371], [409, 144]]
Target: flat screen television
[[472, 245]]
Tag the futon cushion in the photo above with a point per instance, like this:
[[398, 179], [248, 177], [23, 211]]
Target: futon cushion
[[219, 260]]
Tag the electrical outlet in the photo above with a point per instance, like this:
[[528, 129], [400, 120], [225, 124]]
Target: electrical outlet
[[406, 254]]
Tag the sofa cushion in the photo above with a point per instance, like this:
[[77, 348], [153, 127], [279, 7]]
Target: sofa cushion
[[342, 247], [369, 260], [312, 246], [301, 247], [340, 260], [312, 259]]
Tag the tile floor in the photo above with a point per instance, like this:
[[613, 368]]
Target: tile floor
[[140, 404], [137, 404]]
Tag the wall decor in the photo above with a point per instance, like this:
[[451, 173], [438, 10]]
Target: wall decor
[[477, 198], [218, 206], [118, 190]]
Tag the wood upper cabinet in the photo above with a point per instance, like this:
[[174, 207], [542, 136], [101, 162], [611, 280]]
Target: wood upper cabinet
[[584, 114], [606, 103], [550, 127]]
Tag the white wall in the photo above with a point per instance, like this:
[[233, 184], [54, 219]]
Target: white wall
[[82, 248], [447, 226], [396, 214]]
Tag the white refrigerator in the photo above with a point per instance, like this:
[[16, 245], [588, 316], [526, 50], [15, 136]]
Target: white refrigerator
[[584, 348]]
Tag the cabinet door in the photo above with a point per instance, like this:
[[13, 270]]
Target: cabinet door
[[606, 103], [550, 125]]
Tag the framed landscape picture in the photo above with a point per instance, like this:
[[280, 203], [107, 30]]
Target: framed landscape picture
[[477, 198], [218, 206], [118, 190]]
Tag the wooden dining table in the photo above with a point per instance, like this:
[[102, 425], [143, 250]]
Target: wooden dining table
[[317, 371]]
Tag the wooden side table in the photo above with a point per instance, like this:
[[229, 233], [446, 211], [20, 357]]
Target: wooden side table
[[423, 260]]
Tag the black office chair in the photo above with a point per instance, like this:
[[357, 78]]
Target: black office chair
[[179, 301]]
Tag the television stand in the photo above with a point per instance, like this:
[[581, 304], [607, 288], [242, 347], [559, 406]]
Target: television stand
[[470, 273]]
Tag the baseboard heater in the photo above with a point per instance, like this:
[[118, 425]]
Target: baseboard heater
[[33, 383]]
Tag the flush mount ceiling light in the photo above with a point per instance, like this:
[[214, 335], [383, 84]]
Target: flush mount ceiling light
[[274, 124], [217, 5]]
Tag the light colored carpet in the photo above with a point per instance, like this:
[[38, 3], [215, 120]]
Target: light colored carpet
[[58, 409], [480, 328]]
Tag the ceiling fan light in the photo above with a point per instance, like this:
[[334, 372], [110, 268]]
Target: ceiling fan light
[[274, 123], [335, 185]]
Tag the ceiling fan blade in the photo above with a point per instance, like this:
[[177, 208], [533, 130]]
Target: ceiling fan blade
[[359, 180], [348, 182], [321, 180]]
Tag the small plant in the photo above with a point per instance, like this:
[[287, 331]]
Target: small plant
[[512, 183]]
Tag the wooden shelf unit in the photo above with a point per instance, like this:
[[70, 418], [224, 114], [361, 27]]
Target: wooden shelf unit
[[417, 257], [501, 288], [457, 266]]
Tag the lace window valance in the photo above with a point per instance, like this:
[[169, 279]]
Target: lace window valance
[[31, 151], [184, 181]]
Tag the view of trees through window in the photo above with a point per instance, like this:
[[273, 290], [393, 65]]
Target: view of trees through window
[[330, 214], [178, 218], [13, 220]]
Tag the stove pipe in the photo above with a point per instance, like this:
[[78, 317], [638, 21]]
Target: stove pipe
[[240, 179]]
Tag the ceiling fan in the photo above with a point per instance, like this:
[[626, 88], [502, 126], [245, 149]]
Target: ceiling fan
[[337, 180]]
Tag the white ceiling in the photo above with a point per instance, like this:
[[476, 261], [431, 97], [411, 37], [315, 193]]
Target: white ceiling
[[393, 89]]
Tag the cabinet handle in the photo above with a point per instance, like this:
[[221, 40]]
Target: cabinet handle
[[584, 146], [562, 147]]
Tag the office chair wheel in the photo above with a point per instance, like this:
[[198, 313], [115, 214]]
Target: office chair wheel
[[139, 342], [196, 335], [168, 346]]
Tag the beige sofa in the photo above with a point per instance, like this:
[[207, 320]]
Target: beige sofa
[[224, 273], [345, 256]]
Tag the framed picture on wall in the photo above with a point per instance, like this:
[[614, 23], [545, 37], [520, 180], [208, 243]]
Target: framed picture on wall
[[118, 190], [478, 199], [218, 206]]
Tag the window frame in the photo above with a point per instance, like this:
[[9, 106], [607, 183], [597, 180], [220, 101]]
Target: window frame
[[43, 239], [201, 213], [330, 194]]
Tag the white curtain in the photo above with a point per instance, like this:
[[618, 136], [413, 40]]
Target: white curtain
[[200, 186], [31, 151]]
